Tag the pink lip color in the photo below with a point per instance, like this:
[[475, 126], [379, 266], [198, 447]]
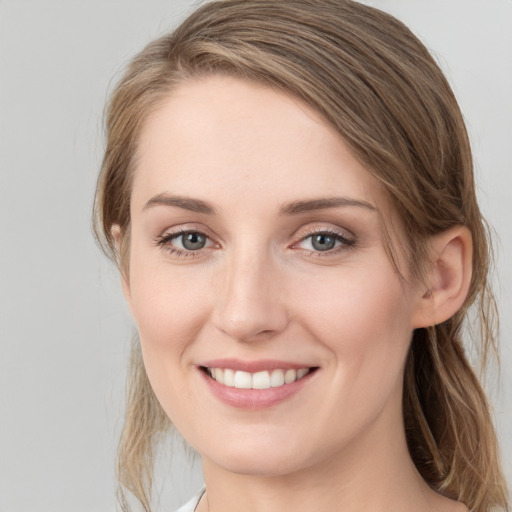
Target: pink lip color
[[254, 399], [253, 366]]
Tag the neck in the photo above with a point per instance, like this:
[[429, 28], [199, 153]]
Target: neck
[[373, 474]]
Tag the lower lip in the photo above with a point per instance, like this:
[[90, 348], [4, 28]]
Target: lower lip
[[255, 398]]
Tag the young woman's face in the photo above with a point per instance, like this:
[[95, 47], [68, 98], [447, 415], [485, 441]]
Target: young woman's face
[[257, 256]]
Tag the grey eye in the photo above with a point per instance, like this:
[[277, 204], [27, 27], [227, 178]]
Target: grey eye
[[193, 241], [323, 242]]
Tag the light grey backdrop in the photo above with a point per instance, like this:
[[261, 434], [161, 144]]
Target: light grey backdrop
[[64, 330]]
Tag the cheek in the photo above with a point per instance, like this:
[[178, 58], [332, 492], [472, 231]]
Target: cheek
[[169, 307], [364, 320], [360, 306]]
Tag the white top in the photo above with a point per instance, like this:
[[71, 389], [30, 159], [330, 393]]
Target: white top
[[191, 505]]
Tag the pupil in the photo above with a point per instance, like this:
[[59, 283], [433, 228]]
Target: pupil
[[193, 241], [323, 242]]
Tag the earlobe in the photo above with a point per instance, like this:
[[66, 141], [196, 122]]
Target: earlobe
[[448, 278]]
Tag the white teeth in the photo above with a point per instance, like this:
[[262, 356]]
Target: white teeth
[[277, 378], [261, 380], [243, 380], [302, 372], [290, 376], [219, 375], [258, 380], [229, 377]]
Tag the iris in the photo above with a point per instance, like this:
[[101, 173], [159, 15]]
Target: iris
[[323, 242], [193, 241]]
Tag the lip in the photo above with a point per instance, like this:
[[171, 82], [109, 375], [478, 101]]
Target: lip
[[254, 366], [254, 399]]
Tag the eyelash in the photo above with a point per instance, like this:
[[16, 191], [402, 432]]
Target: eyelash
[[346, 243], [164, 242]]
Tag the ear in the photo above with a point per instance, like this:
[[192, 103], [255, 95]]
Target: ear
[[117, 235], [448, 277]]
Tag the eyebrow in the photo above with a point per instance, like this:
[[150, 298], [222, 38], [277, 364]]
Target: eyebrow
[[296, 207], [292, 208], [186, 203]]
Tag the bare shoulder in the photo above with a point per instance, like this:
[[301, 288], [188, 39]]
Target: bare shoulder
[[448, 505], [455, 506], [439, 503]]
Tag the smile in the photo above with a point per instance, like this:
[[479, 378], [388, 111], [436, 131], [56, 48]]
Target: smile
[[265, 379], [255, 385]]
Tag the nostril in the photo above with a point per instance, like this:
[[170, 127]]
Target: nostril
[[265, 332]]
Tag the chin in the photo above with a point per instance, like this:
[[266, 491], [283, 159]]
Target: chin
[[257, 460], [263, 466]]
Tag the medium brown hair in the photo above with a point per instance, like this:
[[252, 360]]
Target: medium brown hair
[[375, 82]]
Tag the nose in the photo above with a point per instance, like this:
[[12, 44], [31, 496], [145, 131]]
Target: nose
[[249, 303]]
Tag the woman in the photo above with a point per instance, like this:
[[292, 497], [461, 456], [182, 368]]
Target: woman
[[288, 191]]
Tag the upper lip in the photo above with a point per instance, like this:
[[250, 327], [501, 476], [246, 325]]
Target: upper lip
[[254, 366]]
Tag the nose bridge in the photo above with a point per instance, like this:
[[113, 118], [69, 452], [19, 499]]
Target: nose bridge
[[249, 305]]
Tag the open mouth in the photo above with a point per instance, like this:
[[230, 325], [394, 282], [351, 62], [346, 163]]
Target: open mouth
[[265, 379]]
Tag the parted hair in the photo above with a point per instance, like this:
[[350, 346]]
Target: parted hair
[[378, 86]]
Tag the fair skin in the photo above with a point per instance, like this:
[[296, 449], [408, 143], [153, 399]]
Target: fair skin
[[256, 246]]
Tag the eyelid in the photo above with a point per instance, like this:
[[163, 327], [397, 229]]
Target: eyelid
[[346, 239], [186, 228], [167, 237], [344, 236], [164, 240], [310, 230]]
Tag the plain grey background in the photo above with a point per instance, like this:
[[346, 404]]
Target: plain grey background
[[64, 328]]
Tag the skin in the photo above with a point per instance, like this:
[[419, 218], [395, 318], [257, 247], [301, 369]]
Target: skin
[[259, 289]]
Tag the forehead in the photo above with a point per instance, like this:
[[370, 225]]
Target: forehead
[[231, 138]]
